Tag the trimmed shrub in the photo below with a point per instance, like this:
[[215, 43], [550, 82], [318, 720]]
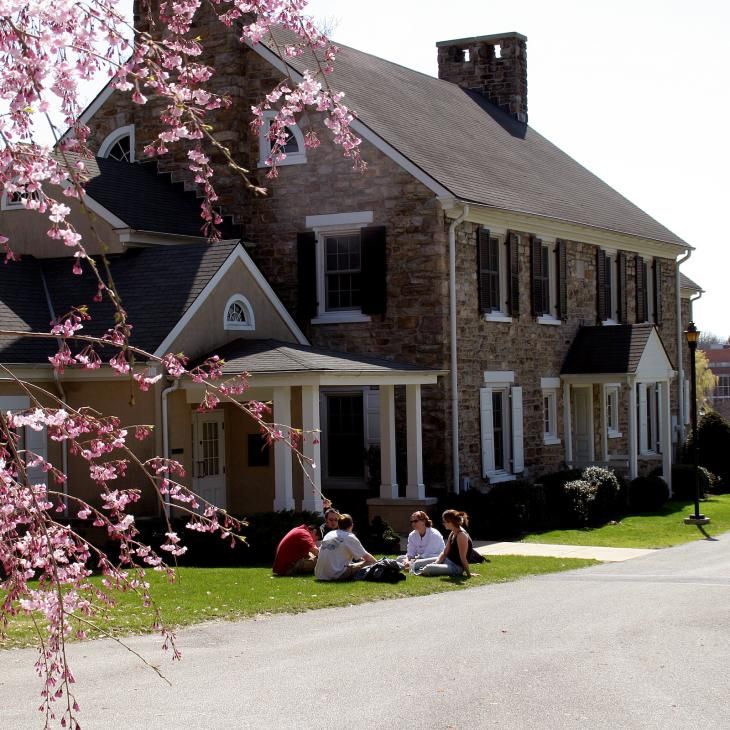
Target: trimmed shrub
[[648, 494], [713, 447], [683, 481], [609, 497], [380, 537]]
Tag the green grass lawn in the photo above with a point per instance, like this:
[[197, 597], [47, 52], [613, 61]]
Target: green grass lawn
[[663, 529], [202, 594]]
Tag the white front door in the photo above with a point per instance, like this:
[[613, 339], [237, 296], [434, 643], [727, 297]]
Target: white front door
[[209, 454], [582, 426]]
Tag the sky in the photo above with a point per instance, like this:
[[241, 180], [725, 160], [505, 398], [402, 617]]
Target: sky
[[638, 91]]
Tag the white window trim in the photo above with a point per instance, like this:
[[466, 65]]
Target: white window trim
[[512, 426], [612, 266], [648, 409], [612, 389], [111, 139], [337, 224], [7, 204], [550, 388], [291, 158], [552, 318], [249, 325]]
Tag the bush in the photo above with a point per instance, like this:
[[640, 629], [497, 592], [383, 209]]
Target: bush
[[648, 494], [609, 494], [713, 447], [580, 496], [683, 481], [380, 537]]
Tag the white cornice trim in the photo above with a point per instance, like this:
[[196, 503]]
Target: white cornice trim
[[551, 227], [360, 128], [238, 254], [130, 237]]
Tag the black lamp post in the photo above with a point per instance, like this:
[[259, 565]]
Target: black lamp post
[[693, 336]]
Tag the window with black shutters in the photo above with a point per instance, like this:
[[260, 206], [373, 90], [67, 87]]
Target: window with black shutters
[[342, 272], [489, 273]]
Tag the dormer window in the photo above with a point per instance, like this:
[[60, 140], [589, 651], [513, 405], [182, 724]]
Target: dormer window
[[293, 149], [238, 314], [119, 145], [20, 199]]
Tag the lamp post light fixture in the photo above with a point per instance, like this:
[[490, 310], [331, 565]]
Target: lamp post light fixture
[[693, 335]]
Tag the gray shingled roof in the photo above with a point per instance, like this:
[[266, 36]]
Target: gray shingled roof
[[274, 356], [476, 151], [157, 286], [686, 283], [614, 349], [148, 201]]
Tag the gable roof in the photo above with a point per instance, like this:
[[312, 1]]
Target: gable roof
[[615, 349], [686, 283], [473, 149], [147, 200], [157, 286]]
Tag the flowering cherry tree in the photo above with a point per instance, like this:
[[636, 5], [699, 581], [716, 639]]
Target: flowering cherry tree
[[47, 50]]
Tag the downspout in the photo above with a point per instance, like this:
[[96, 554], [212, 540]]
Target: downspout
[[61, 393], [452, 328], [680, 349], [165, 434]]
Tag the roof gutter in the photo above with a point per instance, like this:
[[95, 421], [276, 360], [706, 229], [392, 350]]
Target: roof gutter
[[681, 416], [452, 334]]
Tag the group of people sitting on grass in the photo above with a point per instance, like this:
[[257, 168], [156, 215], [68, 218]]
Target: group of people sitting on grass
[[334, 553]]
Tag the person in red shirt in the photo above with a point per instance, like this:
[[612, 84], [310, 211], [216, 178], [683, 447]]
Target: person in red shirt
[[297, 552]]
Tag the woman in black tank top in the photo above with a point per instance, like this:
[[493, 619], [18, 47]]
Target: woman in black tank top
[[454, 558]]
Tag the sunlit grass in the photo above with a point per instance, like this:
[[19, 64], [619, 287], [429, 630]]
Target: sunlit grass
[[203, 594], [663, 529]]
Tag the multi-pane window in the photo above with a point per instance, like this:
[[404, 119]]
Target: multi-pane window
[[542, 283], [343, 269], [121, 150], [209, 449], [293, 148], [612, 414], [498, 429], [236, 313], [490, 273], [722, 389], [648, 417], [550, 389]]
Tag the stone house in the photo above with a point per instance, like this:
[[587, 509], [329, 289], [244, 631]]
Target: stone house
[[472, 245]]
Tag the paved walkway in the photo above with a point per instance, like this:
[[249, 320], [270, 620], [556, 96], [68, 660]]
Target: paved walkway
[[590, 552]]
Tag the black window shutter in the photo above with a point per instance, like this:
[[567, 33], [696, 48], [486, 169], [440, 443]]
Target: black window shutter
[[306, 275], [536, 260], [561, 254], [513, 274], [641, 304], [658, 291], [483, 281], [603, 295], [623, 302], [373, 270]]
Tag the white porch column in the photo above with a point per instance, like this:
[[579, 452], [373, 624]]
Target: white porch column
[[283, 489], [388, 479], [312, 499], [633, 443], [567, 426], [665, 429], [415, 488]]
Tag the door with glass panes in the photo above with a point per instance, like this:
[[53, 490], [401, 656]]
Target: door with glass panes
[[209, 457]]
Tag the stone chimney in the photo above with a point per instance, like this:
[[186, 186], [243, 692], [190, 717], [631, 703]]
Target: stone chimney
[[492, 65]]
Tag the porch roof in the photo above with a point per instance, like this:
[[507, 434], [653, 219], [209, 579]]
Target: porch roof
[[274, 357], [618, 349]]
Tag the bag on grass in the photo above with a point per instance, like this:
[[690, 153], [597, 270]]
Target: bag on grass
[[385, 570]]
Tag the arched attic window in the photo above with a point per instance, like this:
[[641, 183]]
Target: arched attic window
[[238, 314], [293, 149], [119, 145]]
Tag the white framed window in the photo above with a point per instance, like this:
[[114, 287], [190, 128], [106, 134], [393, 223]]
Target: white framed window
[[339, 266], [612, 412], [611, 285], [648, 418], [30, 440], [550, 388], [238, 314], [545, 283], [501, 427], [293, 149], [494, 279], [119, 145]]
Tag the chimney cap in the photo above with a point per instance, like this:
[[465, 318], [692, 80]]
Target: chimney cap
[[494, 38]]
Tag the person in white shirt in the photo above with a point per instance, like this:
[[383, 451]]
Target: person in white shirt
[[341, 554], [425, 541]]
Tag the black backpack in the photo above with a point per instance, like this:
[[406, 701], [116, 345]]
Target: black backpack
[[386, 570]]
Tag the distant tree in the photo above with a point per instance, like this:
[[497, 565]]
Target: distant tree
[[710, 338]]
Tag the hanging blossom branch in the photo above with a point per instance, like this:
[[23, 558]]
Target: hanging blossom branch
[[46, 50]]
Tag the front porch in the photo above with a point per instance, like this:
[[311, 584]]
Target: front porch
[[232, 466]]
